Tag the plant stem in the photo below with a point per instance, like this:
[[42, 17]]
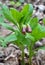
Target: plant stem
[[30, 53], [22, 49]]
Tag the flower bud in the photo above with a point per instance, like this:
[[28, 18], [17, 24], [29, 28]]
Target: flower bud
[[41, 22], [24, 29], [28, 29]]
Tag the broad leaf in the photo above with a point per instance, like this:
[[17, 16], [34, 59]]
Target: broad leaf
[[27, 12], [29, 36], [12, 37], [7, 26], [18, 4], [2, 43], [27, 9], [39, 32], [8, 14], [33, 22], [42, 48], [21, 38], [1, 39], [16, 14], [1, 16]]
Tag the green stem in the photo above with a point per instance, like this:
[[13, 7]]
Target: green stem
[[29, 55], [22, 49], [30, 46]]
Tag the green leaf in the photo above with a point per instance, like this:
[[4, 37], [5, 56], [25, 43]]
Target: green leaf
[[42, 48], [18, 4], [1, 19], [27, 12], [1, 16], [12, 37], [2, 43], [7, 14], [33, 22], [39, 32], [7, 26], [27, 9], [21, 38], [29, 36], [1, 39], [12, 2], [16, 14]]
